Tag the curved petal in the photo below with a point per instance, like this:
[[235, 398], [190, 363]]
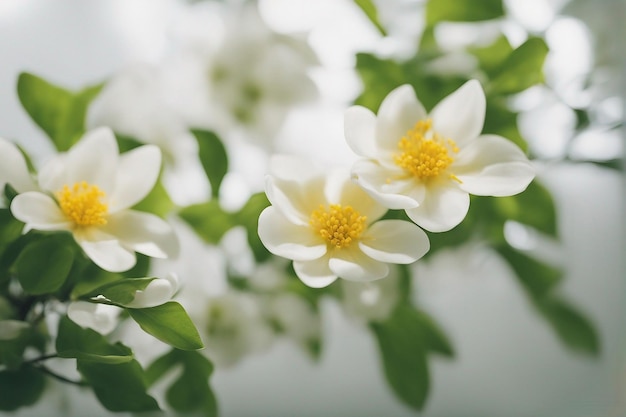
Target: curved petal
[[389, 188], [289, 240], [109, 255], [461, 115], [99, 317], [444, 207], [395, 241], [340, 189], [144, 233], [39, 211], [158, 291], [296, 200], [354, 265], [292, 168], [316, 273], [493, 166], [137, 172], [398, 113], [359, 127], [13, 168], [53, 176]]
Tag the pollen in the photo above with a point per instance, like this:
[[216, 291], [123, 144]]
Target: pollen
[[338, 225], [82, 204], [424, 153]]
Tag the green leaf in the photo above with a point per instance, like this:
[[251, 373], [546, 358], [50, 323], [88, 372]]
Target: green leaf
[[88, 345], [169, 323], [491, 57], [208, 220], [10, 228], [379, 77], [537, 278], [157, 201], [248, 217], [20, 388], [12, 350], [59, 112], [435, 340], [119, 387], [43, 266], [121, 291], [462, 10], [369, 8], [534, 207], [401, 341], [9, 194], [522, 69], [213, 157], [500, 120]]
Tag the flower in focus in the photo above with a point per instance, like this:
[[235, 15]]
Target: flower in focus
[[327, 225], [428, 164], [13, 168], [89, 190], [158, 291]]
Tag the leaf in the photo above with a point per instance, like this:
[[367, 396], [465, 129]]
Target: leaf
[[379, 77], [208, 220], [59, 112], [20, 388], [43, 265], [169, 323], [491, 57], [157, 201], [500, 120], [213, 157], [88, 345], [522, 69], [369, 8], [119, 387], [462, 10], [537, 278], [121, 291], [435, 339], [10, 228], [534, 207], [403, 350], [248, 217]]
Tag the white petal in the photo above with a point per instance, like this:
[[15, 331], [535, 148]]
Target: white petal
[[493, 166], [444, 207], [292, 168], [144, 233], [291, 241], [294, 199], [39, 211], [461, 115], [395, 241], [389, 188], [316, 273], [398, 113], [109, 255], [340, 189], [137, 172], [12, 329], [13, 168], [99, 317], [360, 131], [354, 265], [158, 291]]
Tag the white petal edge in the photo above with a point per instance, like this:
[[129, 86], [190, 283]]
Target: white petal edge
[[13, 168], [158, 291], [316, 273], [109, 255], [389, 188], [137, 173], [359, 126], [353, 265], [398, 113], [39, 211], [296, 200], [99, 317], [395, 241], [340, 189], [443, 208]]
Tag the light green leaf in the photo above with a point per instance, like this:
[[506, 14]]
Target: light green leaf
[[369, 8], [248, 217], [20, 388], [88, 345], [462, 10], [500, 120], [59, 112], [119, 387], [534, 207], [213, 158], [522, 69], [121, 291], [157, 201], [537, 278], [169, 323], [208, 220], [491, 57], [379, 77]]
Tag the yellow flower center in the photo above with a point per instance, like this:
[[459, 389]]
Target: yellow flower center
[[82, 204], [339, 225], [424, 153]]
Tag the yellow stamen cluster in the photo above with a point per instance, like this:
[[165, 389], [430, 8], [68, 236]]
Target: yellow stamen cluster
[[339, 225], [82, 204], [424, 153]]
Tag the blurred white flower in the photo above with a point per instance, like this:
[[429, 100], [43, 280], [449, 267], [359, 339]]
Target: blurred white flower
[[99, 317], [327, 225], [295, 318], [428, 164], [13, 168], [93, 188], [12, 329], [371, 301]]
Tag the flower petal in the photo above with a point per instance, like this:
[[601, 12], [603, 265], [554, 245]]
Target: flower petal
[[444, 207], [291, 241], [315, 273], [395, 241], [13, 169], [144, 233], [493, 166], [387, 187], [340, 189], [398, 113], [39, 211], [105, 251], [354, 265], [360, 131], [294, 199], [137, 172], [292, 168], [158, 291], [461, 115], [99, 317]]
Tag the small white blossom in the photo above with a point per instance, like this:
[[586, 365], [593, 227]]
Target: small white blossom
[[99, 317], [158, 291]]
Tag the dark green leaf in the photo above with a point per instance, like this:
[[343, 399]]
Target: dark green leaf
[[534, 207], [369, 8], [462, 10], [43, 266], [169, 323], [435, 339], [121, 291], [12, 350], [617, 164], [208, 220], [213, 158], [88, 345], [537, 278], [119, 387], [522, 69], [248, 217], [10, 228], [20, 388], [9, 194], [59, 112], [500, 120]]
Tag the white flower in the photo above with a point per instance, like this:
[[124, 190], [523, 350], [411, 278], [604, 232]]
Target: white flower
[[295, 317], [371, 301], [158, 291], [13, 168], [99, 317], [428, 164], [327, 225], [90, 191]]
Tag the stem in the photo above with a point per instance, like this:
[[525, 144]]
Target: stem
[[42, 358], [61, 377]]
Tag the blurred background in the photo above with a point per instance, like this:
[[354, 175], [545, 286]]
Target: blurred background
[[508, 361]]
